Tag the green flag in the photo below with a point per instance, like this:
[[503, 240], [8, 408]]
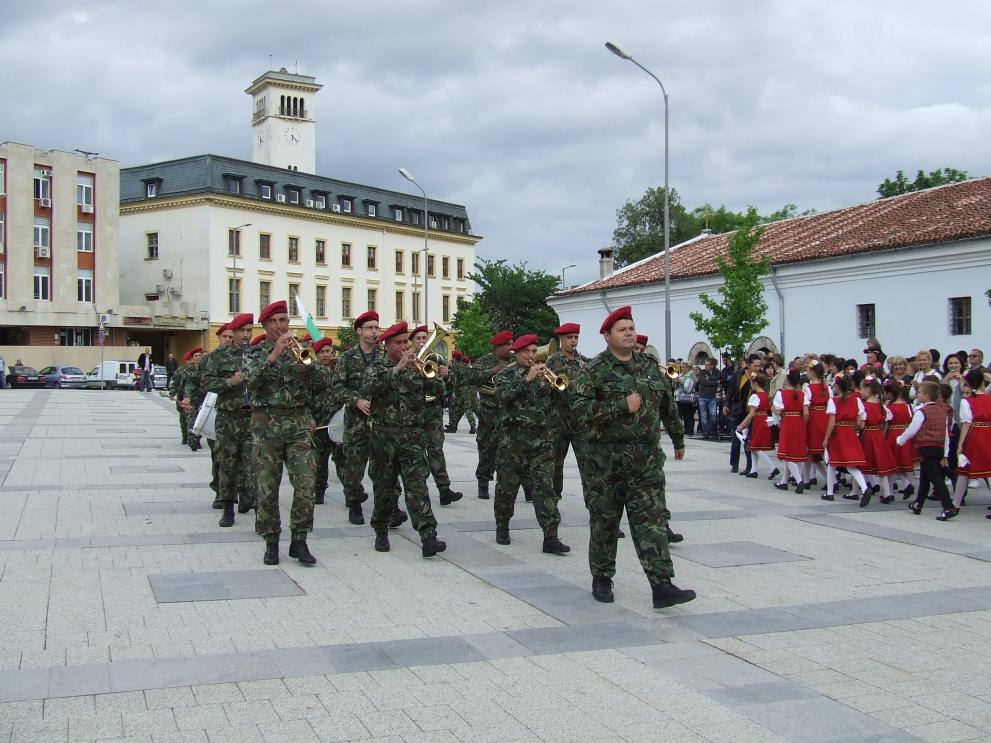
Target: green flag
[[311, 327]]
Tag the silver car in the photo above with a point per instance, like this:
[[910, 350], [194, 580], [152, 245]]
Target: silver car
[[63, 376]]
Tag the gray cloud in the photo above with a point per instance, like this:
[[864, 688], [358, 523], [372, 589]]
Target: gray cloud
[[515, 109]]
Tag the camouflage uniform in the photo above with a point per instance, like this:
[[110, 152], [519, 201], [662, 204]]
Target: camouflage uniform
[[623, 462], [323, 404], [525, 446], [175, 392], [464, 397], [397, 445], [280, 428], [479, 375], [349, 376], [433, 427], [563, 423], [232, 450]]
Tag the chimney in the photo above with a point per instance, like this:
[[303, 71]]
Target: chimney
[[605, 262], [706, 233]]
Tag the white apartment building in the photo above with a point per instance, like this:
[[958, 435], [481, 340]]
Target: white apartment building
[[228, 235]]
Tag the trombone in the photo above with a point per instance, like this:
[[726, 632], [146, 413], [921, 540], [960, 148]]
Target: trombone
[[303, 354]]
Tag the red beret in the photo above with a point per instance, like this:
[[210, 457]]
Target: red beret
[[258, 339], [306, 339], [222, 328], [523, 341], [457, 355], [239, 321], [189, 354], [502, 337], [568, 328], [420, 329], [642, 340], [322, 343], [623, 313], [273, 309], [366, 317], [400, 328]]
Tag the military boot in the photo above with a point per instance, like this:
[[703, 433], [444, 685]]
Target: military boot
[[528, 491], [382, 541], [602, 589], [502, 532], [450, 429], [483, 489], [355, 516], [228, 518], [299, 550], [245, 503], [666, 594], [448, 496], [399, 517], [217, 503], [673, 537], [472, 430], [432, 545], [554, 546], [318, 497], [271, 552]]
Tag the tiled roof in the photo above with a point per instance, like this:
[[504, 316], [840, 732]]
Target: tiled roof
[[958, 211]]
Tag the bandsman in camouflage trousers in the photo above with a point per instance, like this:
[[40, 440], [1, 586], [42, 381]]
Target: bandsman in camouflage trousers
[[223, 374], [481, 374], [567, 433], [526, 446], [176, 394], [620, 398], [397, 397], [281, 426], [188, 394], [463, 398], [323, 405]]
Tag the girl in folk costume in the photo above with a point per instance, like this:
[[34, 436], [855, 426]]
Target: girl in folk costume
[[846, 414], [974, 458], [759, 407], [880, 459], [929, 429], [906, 457], [791, 405], [818, 394]]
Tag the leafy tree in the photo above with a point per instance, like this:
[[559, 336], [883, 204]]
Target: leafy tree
[[788, 211], [901, 185], [639, 229], [741, 314], [474, 328], [515, 298], [347, 337]]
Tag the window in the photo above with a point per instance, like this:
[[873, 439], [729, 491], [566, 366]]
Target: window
[[320, 251], [320, 201], [264, 247], [233, 296], [461, 225], [234, 185], [345, 255], [398, 214], [293, 293], [84, 285], [234, 242], [400, 261], [415, 263], [2, 282], [960, 316], [346, 206], [265, 190], [433, 222], [445, 267], [84, 237], [372, 296], [41, 282], [321, 307], [292, 195], [416, 307], [264, 293], [445, 308], [370, 208], [371, 257], [346, 303], [461, 268], [294, 250], [430, 265], [1, 228], [151, 190], [865, 320], [75, 336], [84, 189], [3, 188], [42, 232], [152, 238], [400, 305], [414, 217], [42, 183]]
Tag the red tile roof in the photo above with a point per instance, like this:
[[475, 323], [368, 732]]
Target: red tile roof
[[958, 211]]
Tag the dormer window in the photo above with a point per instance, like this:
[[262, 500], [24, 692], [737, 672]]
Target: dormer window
[[320, 200], [345, 204], [397, 212], [265, 191], [152, 187], [370, 208], [292, 195], [233, 183]]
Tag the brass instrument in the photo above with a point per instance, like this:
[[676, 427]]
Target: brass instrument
[[303, 354], [433, 355], [489, 389], [546, 351], [557, 381], [672, 372]]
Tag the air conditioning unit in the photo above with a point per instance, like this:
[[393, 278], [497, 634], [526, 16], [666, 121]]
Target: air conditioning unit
[[45, 203], [337, 208], [86, 208], [321, 205], [308, 203], [167, 274], [43, 252], [281, 198]]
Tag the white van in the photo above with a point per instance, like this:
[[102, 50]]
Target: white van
[[111, 375]]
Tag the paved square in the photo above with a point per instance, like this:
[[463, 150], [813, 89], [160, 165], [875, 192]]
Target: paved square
[[129, 616]]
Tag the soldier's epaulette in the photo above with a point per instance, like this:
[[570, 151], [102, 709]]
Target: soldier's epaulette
[[594, 362]]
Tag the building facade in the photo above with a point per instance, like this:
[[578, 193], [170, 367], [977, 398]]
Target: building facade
[[910, 270]]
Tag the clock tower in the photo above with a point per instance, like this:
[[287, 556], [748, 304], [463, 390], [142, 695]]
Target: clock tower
[[283, 127]]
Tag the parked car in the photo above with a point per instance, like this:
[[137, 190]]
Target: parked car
[[110, 375], [24, 376], [63, 376], [158, 377]]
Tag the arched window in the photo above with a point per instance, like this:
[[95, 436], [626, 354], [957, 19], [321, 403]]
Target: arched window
[[295, 106], [282, 105], [302, 108]]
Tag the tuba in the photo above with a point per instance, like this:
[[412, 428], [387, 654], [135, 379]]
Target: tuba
[[546, 351], [433, 355]]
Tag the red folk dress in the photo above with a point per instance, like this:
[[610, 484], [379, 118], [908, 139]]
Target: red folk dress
[[815, 428], [906, 457], [977, 447], [844, 447], [760, 434], [877, 452], [792, 444]]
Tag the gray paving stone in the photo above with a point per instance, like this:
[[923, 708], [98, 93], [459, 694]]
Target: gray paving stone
[[732, 554], [546, 640], [431, 651], [19, 686], [237, 584], [363, 657], [70, 681]]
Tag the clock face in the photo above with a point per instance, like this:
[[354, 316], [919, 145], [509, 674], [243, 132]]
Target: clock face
[[292, 135]]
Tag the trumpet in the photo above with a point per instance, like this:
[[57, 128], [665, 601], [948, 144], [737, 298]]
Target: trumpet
[[557, 381], [303, 354], [672, 371]]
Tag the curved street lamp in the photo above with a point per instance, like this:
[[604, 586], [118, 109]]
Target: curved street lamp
[[426, 223]]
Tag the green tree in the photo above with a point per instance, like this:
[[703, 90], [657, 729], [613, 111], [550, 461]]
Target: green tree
[[347, 337], [474, 328], [788, 211], [515, 298], [639, 229], [901, 185], [741, 314]]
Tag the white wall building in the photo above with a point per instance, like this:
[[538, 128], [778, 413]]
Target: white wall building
[[911, 270]]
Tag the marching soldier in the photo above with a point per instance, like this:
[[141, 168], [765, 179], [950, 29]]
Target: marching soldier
[[433, 423], [280, 427], [223, 374], [397, 397], [463, 397], [620, 398], [481, 375], [225, 337], [526, 447], [175, 394], [567, 361], [323, 405], [187, 391]]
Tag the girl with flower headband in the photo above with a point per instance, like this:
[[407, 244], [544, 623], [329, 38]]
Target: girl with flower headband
[[818, 392], [974, 459], [906, 457], [880, 460], [846, 415]]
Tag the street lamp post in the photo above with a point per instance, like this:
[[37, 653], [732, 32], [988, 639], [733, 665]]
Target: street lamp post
[[426, 237], [667, 217], [235, 248], [563, 285]]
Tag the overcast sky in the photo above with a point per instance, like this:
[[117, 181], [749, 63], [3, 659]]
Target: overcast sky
[[515, 109]]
